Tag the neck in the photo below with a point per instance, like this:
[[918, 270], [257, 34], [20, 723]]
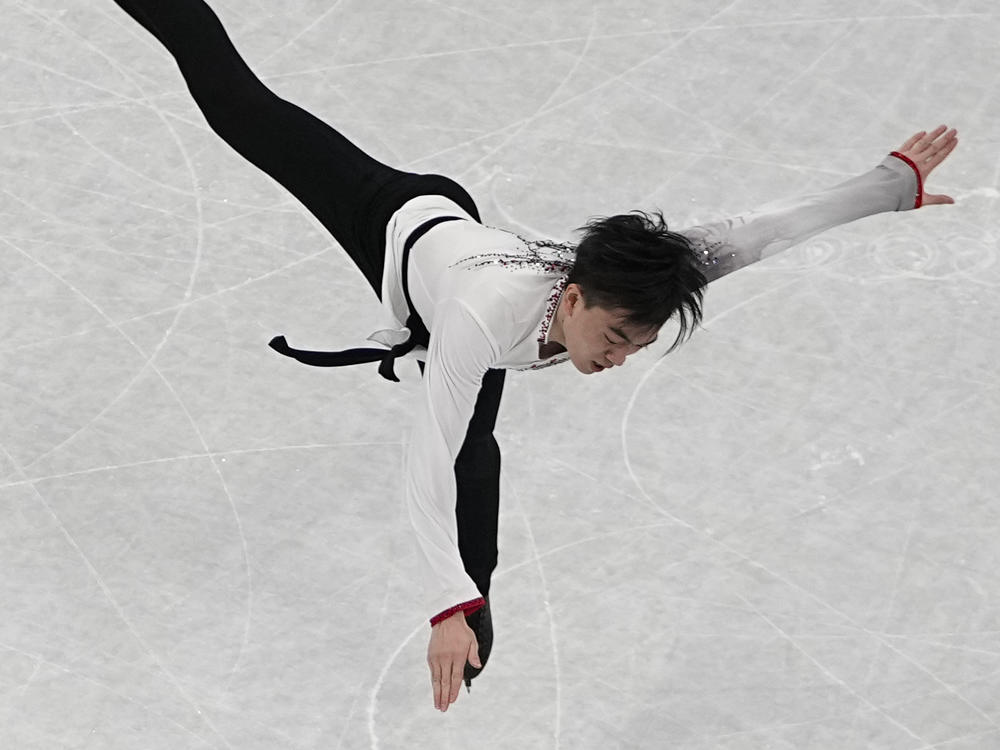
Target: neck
[[556, 329]]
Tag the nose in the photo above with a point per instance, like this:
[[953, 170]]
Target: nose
[[616, 357]]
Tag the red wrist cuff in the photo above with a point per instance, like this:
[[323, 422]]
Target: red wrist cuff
[[467, 607], [920, 183]]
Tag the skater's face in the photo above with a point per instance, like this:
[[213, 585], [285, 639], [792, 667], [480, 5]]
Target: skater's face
[[597, 338]]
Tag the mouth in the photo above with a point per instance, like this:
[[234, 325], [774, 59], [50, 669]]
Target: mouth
[[597, 367]]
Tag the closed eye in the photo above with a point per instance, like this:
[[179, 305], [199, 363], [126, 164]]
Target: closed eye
[[629, 343], [621, 333]]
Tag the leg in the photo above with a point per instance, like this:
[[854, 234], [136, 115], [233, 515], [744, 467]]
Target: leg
[[352, 194]]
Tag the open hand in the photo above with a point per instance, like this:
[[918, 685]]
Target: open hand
[[927, 150], [452, 643]]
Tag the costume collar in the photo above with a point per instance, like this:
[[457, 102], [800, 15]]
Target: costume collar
[[555, 297]]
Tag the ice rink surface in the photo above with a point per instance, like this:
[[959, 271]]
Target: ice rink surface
[[782, 535]]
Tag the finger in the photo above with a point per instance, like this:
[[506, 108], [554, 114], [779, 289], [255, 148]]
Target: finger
[[436, 683], [473, 655], [932, 159], [934, 134], [445, 693], [458, 667], [912, 141], [940, 140], [937, 200]]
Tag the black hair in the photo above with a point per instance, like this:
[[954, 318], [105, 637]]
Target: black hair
[[633, 263]]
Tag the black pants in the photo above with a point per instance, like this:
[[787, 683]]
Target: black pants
[[352, 195]]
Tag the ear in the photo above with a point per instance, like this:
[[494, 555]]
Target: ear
[[572, 297]]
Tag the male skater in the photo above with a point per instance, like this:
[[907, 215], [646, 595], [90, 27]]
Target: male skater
[[472, 301]]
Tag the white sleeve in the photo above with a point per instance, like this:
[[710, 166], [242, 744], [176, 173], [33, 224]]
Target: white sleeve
[[461, 351], [734, 243]]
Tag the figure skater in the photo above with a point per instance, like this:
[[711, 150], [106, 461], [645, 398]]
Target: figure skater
[[472, 301]]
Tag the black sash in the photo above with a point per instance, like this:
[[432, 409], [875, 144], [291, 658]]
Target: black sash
[[419, 335]]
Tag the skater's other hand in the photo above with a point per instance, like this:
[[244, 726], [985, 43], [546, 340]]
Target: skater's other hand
[[452, 643], [927, 150]]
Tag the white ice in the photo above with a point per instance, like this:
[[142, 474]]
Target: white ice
[[782, 535]]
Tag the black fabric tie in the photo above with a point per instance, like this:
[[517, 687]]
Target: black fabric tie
[[419, 335]]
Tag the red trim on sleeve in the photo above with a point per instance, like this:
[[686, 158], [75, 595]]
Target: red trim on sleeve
[[474, 608], [920, 183], [467, 607]]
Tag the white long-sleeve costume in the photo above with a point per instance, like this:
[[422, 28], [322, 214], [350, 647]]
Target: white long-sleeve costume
[[488, 298]]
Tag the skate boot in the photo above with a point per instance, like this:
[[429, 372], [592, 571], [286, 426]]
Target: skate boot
[[482, 625]]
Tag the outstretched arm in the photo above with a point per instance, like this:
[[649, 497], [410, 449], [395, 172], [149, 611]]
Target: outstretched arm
[[895, 185], [460, 352]]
